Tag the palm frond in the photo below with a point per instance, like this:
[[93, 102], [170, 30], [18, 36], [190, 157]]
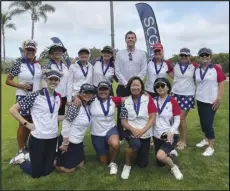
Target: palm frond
[[35, 3], [46, 8], [11, 26], [20, 4], [43, 16], [17, 11]]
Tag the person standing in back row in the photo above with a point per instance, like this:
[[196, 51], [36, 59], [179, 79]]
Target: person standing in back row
[[128, 63]]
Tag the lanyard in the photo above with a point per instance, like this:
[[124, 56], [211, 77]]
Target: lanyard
[[83, 71], [203, 75], [53, 61], [155, 66]]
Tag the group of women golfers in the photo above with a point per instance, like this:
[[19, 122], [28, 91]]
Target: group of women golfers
[[82, 97]]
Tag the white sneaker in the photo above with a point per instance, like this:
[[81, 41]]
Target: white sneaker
[[174, 153], [176, 172], [17, 158], [122, 142], [202, 143], [126, 171], [113, 168], [27, 157], [208, 152]]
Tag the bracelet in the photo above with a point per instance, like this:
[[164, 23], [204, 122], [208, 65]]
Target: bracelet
[[65, 144]]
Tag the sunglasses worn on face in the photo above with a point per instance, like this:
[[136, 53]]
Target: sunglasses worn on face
[[130, 57], [53, 79], [183, 55], [204, 55], [160, 86]]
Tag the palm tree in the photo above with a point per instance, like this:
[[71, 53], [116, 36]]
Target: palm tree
[[6, 17], [36, 9]]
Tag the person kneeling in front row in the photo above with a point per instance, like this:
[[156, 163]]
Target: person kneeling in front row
[[165, 131], [43, 105], [74, 127], [138, 114]]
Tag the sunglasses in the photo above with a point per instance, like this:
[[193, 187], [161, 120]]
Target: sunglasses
[[183, 55], [130, 56], [53, 79], [160, 86], [204, 55], [30, 50], [103, 89]]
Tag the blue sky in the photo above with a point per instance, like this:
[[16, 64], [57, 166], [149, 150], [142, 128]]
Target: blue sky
[[181, 24]]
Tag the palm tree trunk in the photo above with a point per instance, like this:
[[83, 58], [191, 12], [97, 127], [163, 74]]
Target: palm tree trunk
[[32, 35], [4, 47]]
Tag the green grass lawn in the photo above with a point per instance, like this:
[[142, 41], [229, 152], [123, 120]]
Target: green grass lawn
[[199, 172]]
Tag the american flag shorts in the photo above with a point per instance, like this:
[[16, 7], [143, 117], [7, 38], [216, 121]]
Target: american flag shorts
[[185, 102], [22, 112]]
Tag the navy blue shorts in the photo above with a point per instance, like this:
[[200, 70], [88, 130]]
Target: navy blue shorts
[[73, 157], [22, 112], [185, 102], [100, 143]]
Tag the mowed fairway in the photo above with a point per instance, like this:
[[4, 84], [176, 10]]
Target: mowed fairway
[[199, 172]]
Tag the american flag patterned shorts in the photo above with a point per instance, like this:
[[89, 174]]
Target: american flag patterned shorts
[[185, 102], [22, 112]]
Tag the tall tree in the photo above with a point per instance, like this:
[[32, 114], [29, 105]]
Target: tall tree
[[5, 23], [36, 9]]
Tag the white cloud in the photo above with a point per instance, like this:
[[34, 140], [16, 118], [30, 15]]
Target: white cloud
[[87, 24]]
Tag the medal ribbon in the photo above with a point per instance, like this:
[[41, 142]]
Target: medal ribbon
[[163, 106], [137, 106], [106, 112], [51, 107]]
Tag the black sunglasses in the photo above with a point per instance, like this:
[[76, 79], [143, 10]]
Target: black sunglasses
[[130, 56], [160, 86], [183, 55], [53, 79], [205, 55]]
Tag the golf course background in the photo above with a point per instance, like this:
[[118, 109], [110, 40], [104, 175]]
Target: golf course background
[[200, 173]]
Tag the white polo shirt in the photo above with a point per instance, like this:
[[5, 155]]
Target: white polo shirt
[[164, 68], [76, 123], [101, 124], [125, 68], [76, 78], [21, 70], [207, 89], [62, 68], [139, 121], [46, 125], [165, 120], [100, 73], [183, 81]]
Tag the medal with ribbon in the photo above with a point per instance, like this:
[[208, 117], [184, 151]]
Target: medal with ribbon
[[203, 75], [86, 110], [85, 73], [105, 111], [51, 107], [163, 106], [30, 67], [155, 66], [183, 70], [137, 106], [53, 61], [107, 67]]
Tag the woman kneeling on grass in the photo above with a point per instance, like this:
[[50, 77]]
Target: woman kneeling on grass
[[104, 133], [43, 105], [75, 124], [138, 114], [165, 131]]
